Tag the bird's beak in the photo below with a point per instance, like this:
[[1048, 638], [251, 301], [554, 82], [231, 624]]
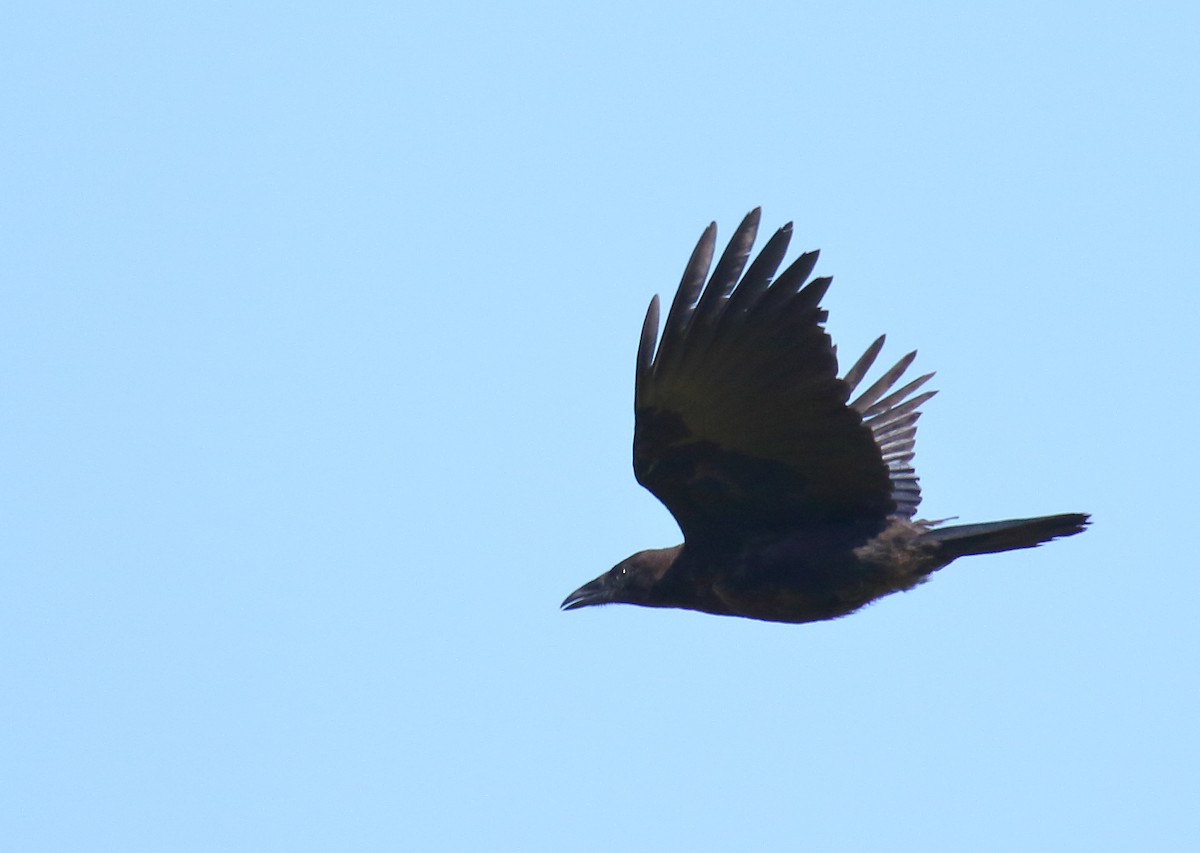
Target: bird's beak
[[590, 593]]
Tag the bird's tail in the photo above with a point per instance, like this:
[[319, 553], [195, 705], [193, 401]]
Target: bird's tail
[[965, 539]]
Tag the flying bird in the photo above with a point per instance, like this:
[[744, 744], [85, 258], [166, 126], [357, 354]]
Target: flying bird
[[795, 497]]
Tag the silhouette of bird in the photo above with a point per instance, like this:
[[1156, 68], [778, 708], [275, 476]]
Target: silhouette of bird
[[796, 503]]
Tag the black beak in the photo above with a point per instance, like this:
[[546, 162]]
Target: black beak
[[586, 595]]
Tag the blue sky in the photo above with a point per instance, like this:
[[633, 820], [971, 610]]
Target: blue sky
[[318, 327]]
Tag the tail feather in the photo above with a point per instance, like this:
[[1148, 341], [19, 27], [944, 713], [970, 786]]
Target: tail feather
[[965, 539]]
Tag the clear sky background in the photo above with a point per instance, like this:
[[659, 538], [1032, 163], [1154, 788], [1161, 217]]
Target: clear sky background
[[317, 328]]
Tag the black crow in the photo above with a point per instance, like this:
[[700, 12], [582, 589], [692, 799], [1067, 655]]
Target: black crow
[[796, 502]]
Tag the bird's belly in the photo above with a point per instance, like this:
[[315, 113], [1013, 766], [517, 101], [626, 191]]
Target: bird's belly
[[789, 605], [809, 590]]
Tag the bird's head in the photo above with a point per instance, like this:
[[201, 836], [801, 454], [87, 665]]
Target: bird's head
[[631, 581]]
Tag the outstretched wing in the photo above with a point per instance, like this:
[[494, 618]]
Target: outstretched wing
[[743, 426]]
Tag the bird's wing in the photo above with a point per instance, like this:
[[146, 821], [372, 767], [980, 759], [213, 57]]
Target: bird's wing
[[743, 426]]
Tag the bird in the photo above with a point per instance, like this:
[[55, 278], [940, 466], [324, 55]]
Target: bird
[[796, 498]]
